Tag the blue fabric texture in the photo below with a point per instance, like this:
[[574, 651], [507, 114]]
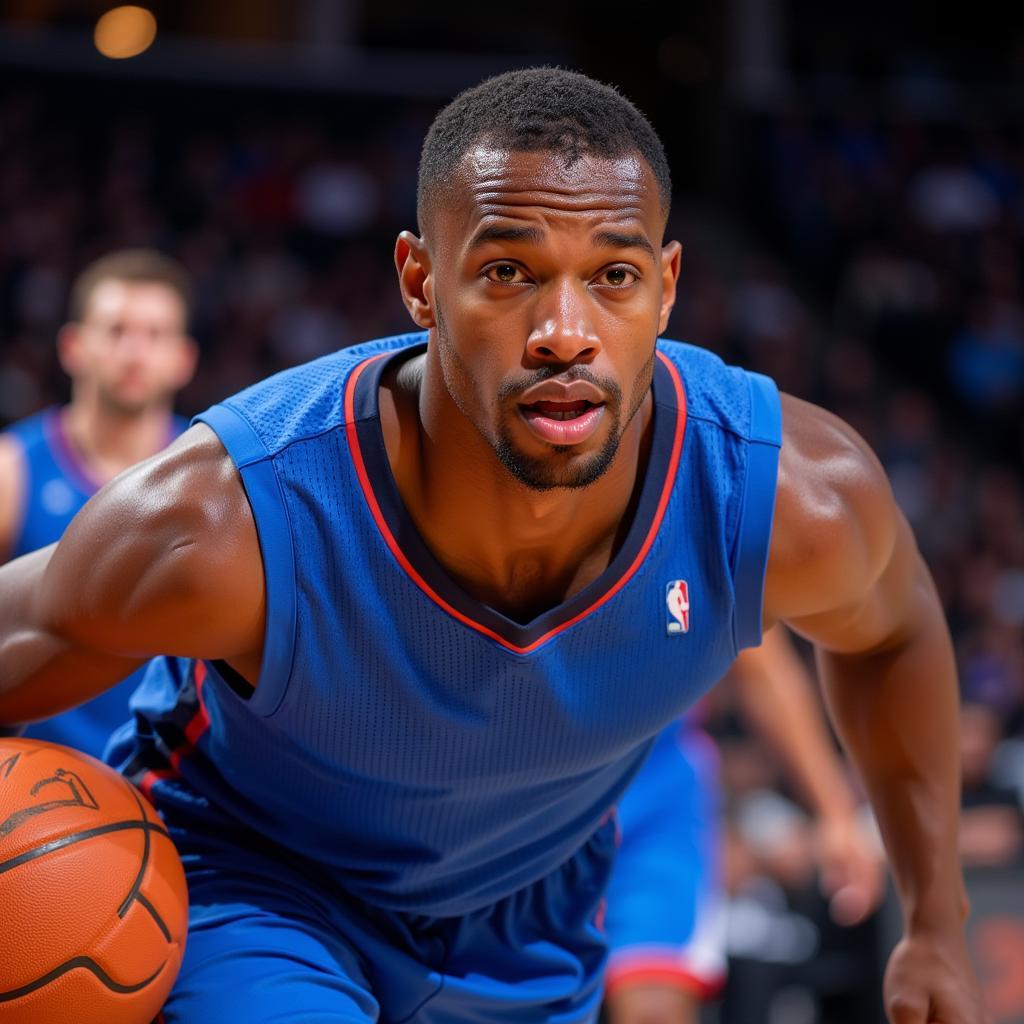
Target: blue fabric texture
[[431, 754]]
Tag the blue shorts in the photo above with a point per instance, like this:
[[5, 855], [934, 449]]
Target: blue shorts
[[665, 916], [275, 938]]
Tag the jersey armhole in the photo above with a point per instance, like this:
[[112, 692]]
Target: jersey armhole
[[263, 490], [757, 508]]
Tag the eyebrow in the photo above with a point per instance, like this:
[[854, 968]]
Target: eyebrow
[[495, 233], [621, 240], [608, 239]]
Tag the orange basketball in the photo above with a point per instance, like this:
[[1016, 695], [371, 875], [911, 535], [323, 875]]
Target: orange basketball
[[93, 905]]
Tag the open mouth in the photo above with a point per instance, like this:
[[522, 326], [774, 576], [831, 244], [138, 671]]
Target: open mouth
[[560, 410], [563, 423]]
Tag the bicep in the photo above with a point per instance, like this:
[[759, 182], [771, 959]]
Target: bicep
[[844, 569], [164, 560]]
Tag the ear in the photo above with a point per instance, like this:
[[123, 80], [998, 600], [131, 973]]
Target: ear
[[412, 261], [69, 349], [671, 257]]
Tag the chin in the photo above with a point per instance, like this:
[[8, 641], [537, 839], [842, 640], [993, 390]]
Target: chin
[[130, 404], [564, 468]]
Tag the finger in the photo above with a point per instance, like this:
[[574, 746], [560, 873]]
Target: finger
[[850, 905], [904, 1009]]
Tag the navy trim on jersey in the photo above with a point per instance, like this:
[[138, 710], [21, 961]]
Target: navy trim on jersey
[[264, 492], [518, 635], [755, 525]]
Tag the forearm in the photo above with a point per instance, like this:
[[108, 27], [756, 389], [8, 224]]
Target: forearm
[[775, 691], [896, 713], [41, 672]]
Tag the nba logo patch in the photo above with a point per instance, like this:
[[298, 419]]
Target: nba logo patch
[[677, 597]]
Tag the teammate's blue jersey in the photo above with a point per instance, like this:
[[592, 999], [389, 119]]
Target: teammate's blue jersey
[[429, 751], [56, 486]]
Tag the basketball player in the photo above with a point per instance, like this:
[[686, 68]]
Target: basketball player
[[127, 352], [665, 911], [415, 594]]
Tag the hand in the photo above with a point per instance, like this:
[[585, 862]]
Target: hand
[[852, 868], [930, 979]]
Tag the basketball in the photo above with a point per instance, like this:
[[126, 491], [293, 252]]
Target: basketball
[[95, 908]]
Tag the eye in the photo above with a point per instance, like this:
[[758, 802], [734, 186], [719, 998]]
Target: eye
[[504, 273], [618, 277]]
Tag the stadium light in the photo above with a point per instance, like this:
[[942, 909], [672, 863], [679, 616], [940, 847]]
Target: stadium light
[[124, 32]]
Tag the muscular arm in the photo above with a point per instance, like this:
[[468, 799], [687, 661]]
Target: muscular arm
[[845, 572], [163, 560]]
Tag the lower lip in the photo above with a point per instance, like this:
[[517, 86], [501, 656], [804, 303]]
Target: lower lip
[[564, 432]]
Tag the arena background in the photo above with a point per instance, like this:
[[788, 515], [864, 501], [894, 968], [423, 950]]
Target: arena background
[[850, 198]]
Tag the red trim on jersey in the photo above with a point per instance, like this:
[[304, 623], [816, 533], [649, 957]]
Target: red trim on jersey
[[197, 725], [151, 778], [382, 525], [201, 719], [666, 971]]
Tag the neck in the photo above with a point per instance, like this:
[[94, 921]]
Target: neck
[[108, 440], [519, 550]]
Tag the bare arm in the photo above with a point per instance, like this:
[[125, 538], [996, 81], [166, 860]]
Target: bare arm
[[775, 691], [163, 560], [774, 688], [12, 492], [845, 572]]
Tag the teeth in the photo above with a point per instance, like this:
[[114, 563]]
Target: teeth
[[567, 415]]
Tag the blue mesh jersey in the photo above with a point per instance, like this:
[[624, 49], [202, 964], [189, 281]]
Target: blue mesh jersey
[[56, 486], [430, 752]]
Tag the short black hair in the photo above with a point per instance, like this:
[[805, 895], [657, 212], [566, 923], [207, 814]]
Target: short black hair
[[538, 110]]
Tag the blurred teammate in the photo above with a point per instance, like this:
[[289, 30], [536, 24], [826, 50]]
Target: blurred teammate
[[127, 351], [415, 594], [665, 911]]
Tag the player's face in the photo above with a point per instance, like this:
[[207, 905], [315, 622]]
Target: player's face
[[131, 344], [550, 286]]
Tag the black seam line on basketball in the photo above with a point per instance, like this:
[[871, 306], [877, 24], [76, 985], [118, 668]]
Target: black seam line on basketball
[[77, 837], [135, 893], [155, 915], [90, 965], [143, 861]]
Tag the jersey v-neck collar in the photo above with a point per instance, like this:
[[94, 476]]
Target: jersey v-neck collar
[[369, 455]]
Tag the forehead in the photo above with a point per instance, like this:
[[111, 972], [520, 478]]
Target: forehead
[[496, 183], [113, 298]]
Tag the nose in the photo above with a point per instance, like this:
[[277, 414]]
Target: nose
[[134, 343], [564, 331]]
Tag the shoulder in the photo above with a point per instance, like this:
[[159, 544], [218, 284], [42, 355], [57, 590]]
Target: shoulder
[[12, 455], [12, 490], [190, 488], [166, 546], [298, 403], [715, 392], [30, 431], [836, 522]]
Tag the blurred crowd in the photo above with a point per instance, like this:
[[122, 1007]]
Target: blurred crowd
[[872, 264], [876, 269]]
